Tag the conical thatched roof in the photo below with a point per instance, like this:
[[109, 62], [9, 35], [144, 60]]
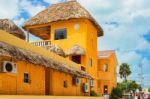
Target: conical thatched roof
[[62, 11], [9, 26], [31, 57], [56, 49], [75, 50]]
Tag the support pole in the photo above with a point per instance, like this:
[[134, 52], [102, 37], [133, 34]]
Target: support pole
[[28, 39]]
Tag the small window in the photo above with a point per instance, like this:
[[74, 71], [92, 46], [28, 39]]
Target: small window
[[83, 68], [92, 83], [105, 67], [65, 84], [76, 59], [60, 34], [26, 78], [90, 62]]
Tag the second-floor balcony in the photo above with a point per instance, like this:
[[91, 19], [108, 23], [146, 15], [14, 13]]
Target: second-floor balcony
[[46, 44], [42, 43]]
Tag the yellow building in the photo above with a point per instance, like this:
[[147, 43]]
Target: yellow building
[[28, 69], [72, 28], [64, 62], [107, 64]]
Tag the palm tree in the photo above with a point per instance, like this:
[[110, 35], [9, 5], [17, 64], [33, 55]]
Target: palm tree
[[124, 71]]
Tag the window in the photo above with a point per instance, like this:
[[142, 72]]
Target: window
[[76, 59], [83, 68], [90, 62], [60, 34], [105, 67], [26, 78], [92, 83], [65, 84]]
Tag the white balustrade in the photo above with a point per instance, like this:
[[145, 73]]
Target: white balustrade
[[42, 43]]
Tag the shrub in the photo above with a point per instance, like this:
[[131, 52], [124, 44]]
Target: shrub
[[93, 93], [116, 93]]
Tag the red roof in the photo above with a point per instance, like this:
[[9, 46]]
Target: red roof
[[105, 53]]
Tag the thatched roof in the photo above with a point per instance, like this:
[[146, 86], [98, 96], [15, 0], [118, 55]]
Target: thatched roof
[[56, 49], [62, 11], [10, 27], [31, 57], [75, 50]]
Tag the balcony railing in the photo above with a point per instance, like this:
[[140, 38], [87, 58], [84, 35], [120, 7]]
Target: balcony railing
[[42, 43]]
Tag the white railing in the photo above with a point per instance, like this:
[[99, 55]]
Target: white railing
[[42, 43]]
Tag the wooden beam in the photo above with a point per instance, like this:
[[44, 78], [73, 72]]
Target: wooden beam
[[37, 26]]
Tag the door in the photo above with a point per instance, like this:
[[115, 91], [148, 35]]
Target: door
[[105, 89], [47, 81]]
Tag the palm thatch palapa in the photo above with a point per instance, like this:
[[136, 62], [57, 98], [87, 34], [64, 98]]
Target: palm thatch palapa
[[9, 26], [75, 50], [60, 12], [56, 49], [31, 57]]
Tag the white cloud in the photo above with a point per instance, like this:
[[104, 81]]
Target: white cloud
[[52, 1], [19, 21], [143, 46], [30, 8], [146, 62], [133, 18], [129, 57], [9, 8], [97, 4]]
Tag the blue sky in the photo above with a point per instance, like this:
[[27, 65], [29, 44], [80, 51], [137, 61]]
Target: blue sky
[[126, 25]]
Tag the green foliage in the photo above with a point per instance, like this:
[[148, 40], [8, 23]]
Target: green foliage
[[124, 71], [93, 93], [128, 86], [148, 89], [122, 87], [140, 88], [132, 86], [116, 93]]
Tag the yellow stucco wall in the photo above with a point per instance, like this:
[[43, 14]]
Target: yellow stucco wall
[[91, 49], [73, 36], [57, 79], [85, 36], [108, 78], [13, 83], [38, 77]]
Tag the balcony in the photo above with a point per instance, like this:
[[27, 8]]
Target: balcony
[[42, 43]]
